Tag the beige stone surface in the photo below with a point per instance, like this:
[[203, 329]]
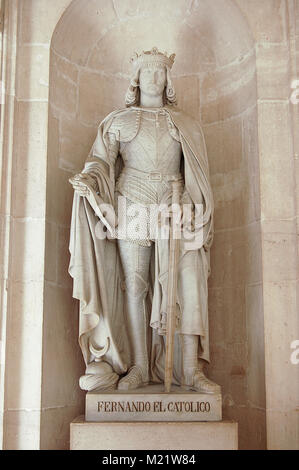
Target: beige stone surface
[[64, 95], [224, 142], [55, 426], [221, 43], [275, 145], [72, 39], [273, 62], [189, 101], [33, 85], [285, 437], [75, 143], [281, 299], [118, 63], [280, 253], [228, 302], [252, 203], [26, 303], [137, 8], [60, 348], [51, 245], [256, 345], [231, 246], [38, 26], [30, 173], [223, 106], [59, 197], [28, 239], [22, 429], [253, 417], [108, 95], [266, 19], [157, 436]]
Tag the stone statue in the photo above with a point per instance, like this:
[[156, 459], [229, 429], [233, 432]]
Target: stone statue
[[121, 281]]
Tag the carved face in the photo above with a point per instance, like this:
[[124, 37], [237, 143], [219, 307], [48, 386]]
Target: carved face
[[152, 80]]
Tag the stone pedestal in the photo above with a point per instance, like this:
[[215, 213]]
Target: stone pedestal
[[150, 419], [152, 404], [154, 435]]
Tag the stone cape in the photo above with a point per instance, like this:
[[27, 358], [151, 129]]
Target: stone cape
[[96, 269]]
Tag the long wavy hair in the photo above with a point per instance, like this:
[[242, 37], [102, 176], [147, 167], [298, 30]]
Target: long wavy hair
[[169, 94]]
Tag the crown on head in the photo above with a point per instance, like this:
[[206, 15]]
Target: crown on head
[[153, 57]]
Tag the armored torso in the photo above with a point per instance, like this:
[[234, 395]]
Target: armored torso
[[150, 158], [154, 149]]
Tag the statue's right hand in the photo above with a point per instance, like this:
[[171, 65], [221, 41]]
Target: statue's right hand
[[79, 183]]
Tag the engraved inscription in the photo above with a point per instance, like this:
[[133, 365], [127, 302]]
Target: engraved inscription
[[155, 406]]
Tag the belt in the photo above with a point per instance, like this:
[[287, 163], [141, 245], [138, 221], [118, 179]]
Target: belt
[[152, 176]]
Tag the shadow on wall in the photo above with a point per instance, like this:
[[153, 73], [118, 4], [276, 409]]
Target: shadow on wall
[[215, 78]]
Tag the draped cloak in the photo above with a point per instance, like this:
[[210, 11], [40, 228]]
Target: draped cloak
[[98, 279]]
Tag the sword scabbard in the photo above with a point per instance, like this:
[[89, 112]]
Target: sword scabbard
[[174, 247]]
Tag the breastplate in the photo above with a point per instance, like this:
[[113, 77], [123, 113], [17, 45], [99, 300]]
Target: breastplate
[[153, 148]]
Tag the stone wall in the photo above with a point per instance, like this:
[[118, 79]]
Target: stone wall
[[275, 28], [27, 377]]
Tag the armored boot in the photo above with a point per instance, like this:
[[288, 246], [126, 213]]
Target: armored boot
[[193, 377], [136, 291]]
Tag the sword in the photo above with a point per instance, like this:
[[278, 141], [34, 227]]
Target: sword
[[174, 251]]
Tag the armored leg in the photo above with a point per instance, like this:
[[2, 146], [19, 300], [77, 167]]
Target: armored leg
[[193, 376], [136, 260]]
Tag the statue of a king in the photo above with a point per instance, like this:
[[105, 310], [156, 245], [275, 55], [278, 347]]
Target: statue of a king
[[121, 281]]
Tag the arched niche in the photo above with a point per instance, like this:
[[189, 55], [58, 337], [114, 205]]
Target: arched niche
[[215, 79]]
